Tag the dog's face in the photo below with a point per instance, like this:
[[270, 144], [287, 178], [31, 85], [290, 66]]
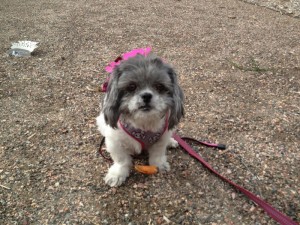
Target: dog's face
[[143, 87]]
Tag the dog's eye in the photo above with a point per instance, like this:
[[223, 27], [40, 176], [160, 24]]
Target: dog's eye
[[160, 87], [131, 87]]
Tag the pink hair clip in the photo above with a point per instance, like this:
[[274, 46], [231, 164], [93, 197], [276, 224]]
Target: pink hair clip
[[142, 51], [111, 66]]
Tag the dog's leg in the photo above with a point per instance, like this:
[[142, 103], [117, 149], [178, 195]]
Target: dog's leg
[[119, 171], [157, 156], [172, 143]]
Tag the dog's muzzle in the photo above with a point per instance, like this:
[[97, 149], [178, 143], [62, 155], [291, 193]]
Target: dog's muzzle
[[146, 97], [146, 100]]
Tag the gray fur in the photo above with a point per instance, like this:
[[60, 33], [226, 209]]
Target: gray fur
[[112, 101], [144, 72], [177, 110]]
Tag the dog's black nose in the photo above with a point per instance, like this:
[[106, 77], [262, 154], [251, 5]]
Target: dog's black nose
[[147, 97]]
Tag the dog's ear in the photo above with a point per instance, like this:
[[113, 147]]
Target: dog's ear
[[112, 101], [156, 61], [177, 110]]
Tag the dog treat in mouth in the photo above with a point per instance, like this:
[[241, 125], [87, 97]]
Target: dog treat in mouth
[[146, 169]]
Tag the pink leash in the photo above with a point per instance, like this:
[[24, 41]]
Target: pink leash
[[275, 214]]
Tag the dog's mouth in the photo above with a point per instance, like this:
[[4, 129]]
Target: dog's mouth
[[145, 108]]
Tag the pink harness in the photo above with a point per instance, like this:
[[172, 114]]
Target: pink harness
[[145, 138]]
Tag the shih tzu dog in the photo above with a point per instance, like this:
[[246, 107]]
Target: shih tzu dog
[[142, 106]]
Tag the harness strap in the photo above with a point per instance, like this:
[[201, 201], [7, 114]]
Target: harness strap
[[274, 213], [147, 135], [100, 151]]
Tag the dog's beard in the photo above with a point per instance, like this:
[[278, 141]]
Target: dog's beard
[[146, 116]]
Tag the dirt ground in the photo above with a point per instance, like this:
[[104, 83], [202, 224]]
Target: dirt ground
[[239, 66], [286, 7]]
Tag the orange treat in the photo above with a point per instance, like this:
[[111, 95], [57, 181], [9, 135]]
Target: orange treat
[[146, 169]]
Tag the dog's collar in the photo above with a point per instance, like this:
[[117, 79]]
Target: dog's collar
[[145, 138]]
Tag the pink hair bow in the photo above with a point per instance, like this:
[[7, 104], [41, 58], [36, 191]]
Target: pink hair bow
[[142, 51], [111, 66]]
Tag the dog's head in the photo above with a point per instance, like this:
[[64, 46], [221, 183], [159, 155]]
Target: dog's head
[[142, 87]]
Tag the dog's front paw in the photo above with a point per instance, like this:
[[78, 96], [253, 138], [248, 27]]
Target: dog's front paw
[[116, 175], [164, 167], [114, 180], [172, 143]]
